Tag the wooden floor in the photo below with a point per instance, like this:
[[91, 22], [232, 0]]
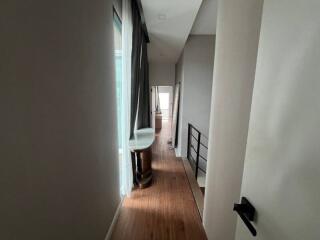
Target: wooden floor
[[167, 209]]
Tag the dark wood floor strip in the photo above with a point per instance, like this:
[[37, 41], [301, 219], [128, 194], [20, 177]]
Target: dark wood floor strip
[[196, 190]]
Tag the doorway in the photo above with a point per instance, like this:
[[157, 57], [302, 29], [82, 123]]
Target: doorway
[[162, 103]]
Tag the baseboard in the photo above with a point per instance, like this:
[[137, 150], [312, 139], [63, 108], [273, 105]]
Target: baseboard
[[177, 152], [114, 221]]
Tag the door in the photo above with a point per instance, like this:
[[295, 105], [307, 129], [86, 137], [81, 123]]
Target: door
[[174, 126], [282, 166], [153, 106]]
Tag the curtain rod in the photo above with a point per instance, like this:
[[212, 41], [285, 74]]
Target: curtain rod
[[143, 20]]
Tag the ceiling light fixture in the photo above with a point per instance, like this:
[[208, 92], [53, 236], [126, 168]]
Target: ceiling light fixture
[[162, 16]]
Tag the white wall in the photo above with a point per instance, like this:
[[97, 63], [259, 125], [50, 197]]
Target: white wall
[[161, 74], [235, 60], [206, 20], [59, 163], [282, 165], [196, 87]]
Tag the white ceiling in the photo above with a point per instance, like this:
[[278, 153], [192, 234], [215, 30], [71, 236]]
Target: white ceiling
[[206, 20], [169, 23]]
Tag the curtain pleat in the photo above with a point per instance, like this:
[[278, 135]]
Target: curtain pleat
[[136, 63], [143, 120], [140, 102]]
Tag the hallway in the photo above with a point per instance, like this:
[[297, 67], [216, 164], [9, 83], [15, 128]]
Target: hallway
[[167, 209]]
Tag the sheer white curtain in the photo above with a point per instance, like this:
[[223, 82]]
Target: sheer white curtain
[[125, 164]]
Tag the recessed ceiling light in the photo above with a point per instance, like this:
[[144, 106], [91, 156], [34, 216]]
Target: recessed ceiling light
[[162, 16]]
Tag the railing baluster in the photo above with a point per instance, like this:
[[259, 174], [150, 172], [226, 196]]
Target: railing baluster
[[189, 139], [198, 154], [197, 151]]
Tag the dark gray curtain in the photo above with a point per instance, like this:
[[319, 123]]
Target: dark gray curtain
[[135, 67], [140, 102], [143, 120]]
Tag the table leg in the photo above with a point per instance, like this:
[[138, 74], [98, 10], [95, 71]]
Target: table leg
[[134, 168]]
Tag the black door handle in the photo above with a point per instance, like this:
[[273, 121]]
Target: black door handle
[[246, 212]]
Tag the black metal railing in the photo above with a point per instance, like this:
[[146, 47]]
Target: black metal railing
[[197, 150]]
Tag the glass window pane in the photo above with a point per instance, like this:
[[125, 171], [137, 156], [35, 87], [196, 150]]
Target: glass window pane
[[118, 71]]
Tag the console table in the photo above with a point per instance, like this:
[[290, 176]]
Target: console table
[[141, 155]]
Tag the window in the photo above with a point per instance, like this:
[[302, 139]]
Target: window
[[117, 25], [122, 56]]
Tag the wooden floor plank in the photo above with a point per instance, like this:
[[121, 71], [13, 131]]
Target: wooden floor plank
[[166, 210]]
